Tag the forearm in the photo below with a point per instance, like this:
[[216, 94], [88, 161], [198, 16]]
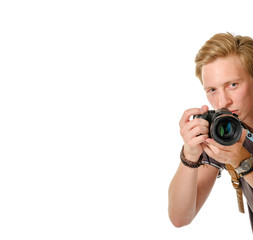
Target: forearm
[[183, 196], [249, 179], [183, 192]]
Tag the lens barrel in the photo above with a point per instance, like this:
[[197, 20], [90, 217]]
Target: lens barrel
[[226, 129]]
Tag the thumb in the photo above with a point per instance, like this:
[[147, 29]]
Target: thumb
[[204, 108], [243, 136]]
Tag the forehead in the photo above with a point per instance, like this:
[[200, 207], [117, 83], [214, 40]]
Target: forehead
[[222, 70]]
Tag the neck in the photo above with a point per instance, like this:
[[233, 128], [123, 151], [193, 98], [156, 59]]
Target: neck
[[249, 126]]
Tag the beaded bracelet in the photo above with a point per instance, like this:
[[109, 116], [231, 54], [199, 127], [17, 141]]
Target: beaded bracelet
[[189, 163]]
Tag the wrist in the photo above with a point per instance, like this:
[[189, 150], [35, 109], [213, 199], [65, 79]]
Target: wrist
[[245, 167], [237, 163], [189, 155], [192, 158], [190, 163]]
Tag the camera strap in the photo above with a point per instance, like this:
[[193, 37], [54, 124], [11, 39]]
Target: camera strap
[[237, 186], [235, 177]]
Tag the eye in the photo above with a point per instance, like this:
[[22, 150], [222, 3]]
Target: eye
[[233, 85], [211, 90]]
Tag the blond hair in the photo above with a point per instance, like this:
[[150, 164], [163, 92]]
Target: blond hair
[[223, 45]]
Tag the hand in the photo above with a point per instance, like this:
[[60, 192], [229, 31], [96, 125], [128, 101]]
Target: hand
[[194, 133], [232, 155]]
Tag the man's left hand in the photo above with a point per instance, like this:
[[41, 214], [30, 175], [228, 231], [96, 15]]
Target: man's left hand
[[232, 155]]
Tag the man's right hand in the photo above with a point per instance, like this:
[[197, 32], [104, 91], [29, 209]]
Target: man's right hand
[[194, 132]]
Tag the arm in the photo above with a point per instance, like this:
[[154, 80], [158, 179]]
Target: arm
[[232, 155], [249, 179], [188, 192], [190, 187]]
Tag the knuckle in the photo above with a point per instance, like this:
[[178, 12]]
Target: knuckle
[[186, 112], [202, 138], [217, 151], [202, 121], [181, 132], [194, 143], [199, 129], [198, 121]]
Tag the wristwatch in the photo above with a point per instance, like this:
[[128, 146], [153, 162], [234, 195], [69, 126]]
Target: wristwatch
[[245, 167]]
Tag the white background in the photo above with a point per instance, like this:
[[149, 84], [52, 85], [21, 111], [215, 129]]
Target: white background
[[90, 98]]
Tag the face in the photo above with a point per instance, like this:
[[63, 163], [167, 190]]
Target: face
[[228, 85]]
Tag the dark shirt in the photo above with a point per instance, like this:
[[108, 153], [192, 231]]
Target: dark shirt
[[246, 188]]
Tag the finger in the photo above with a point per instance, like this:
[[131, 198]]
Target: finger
[[194, 128], [196, 132], [221, 153], [243, 136], [198, 140], [190, 112], [204, 108], [197, 122], [211, 141], [227, 148], [210, 152]]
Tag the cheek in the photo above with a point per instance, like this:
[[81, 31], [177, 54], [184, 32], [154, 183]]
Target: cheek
[[243, 99], [242, 96]]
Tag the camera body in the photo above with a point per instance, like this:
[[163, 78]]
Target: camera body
[[224, 126]]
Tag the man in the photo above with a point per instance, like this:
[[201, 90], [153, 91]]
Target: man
[[224, 66]]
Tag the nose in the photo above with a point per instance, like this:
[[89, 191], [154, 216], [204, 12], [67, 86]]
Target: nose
[[224, 100]]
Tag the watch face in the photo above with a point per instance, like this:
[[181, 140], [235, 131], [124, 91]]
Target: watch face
[[245, 166]]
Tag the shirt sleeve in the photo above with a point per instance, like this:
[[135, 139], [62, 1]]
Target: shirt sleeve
[[210, 161]]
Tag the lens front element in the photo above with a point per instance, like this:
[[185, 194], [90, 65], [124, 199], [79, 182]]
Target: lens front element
[[226, 130]]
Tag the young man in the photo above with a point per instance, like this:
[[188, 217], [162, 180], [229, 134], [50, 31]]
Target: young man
[[224, 66]]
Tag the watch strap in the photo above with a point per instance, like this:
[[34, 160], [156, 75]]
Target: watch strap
[[240, 169], [247, 172]]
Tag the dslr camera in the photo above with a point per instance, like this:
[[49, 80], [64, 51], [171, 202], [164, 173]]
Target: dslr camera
[[224, 126]]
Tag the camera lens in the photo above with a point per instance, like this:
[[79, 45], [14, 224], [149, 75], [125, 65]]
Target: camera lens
[[226, 130]]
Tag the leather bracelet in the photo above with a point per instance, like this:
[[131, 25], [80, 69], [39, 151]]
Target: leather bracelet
[[189, 163]]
